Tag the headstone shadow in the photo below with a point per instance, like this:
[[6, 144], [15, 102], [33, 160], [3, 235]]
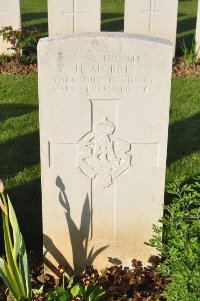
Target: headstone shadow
[[112, 22], [187, 24], [184, 28], [33, 16], [79, 237], [18, 153], [8, 111], [184, 138]]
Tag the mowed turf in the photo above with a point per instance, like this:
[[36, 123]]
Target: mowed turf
[[19, 126], [19, 152]]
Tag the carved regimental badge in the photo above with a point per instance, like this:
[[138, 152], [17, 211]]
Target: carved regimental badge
[[103, 157]]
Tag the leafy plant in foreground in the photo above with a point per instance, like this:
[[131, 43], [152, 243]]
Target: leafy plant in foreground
[[23, 43], [78, 292], [178, 242], [14, 270], [88, 290]]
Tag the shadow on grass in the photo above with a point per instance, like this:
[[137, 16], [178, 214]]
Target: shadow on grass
[[16, 155], [26, 200], [26, 17], [19, 153], [112, 22], [43, 27], [184, 138], [15, 110], [186, 25], [34, 17], [181, 14], [108, 16]]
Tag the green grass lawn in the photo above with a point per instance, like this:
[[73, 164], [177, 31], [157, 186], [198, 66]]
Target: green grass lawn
[[186, 26], [19, 138], [184, 129], [19, 151]]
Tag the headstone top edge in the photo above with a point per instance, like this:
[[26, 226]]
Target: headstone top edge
[[102, 35]]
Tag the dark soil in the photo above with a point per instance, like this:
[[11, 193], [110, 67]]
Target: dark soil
[[120, 283], [179, 68], [13, 68]]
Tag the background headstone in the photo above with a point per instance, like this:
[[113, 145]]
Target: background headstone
[[9, 16], [198, 30], [104, 106], [152, 17], [73, 16]]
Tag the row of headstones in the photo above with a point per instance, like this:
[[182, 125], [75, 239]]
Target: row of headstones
[[10, 15], [149, 17]]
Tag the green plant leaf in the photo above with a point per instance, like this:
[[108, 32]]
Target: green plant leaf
[[24, 268], [75, 290], [65, 297], [11, 263], [14, 272], [16, 232], [5, 275], [71, 280]]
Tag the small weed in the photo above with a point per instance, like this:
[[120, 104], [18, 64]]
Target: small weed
[[190, 54]]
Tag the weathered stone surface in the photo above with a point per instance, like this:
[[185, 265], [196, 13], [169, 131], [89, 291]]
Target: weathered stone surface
[[152, 17], [9, 16], [198, 31], [104, 106], [73, 16]]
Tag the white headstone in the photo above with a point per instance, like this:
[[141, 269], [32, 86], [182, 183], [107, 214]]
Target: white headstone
[[104, 106], [152, 17], [198, 31], [9, 16], [73, 16]]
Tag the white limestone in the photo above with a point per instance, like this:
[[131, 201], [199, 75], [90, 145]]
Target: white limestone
[[152, 17], [104, 106], [9, 16], [198, 31], [73, 16]]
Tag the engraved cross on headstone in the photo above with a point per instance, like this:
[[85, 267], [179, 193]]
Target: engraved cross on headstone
[[151, 12], [74, 14], [103, 157]]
